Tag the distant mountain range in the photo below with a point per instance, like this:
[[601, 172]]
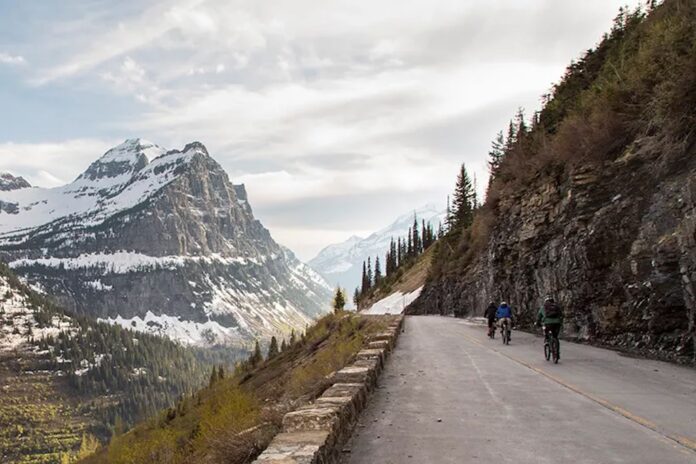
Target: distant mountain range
[[160, 241], [341, 263]]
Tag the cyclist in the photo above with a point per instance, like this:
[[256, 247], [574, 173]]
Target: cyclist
[[551, 316], [489, 314], [503, 315]]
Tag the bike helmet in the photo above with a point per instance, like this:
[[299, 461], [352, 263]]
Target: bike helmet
[[549, 299], [503, 303]]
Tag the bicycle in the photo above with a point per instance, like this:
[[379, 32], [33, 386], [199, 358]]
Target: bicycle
[[491, 331], [551, 346], [505, 332]]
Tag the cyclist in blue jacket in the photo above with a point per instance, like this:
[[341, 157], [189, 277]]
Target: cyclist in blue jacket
[[504, 314]]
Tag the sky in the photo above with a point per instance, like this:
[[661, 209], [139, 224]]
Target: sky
[[337, 115]]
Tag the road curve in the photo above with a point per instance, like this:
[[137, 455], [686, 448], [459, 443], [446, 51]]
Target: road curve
[[451, 395]]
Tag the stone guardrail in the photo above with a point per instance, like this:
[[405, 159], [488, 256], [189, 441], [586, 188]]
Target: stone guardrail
[[315, 433]]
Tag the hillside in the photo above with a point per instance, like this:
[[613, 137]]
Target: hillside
[[341, 263], [594, 200], [399, 290], [237, 415], [160, 241], [66, 379]]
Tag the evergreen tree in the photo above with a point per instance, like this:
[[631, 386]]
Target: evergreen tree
[[256, 358], [293, 337], [221, 372], [273, 348], [213, 377], [511, 138], [284, 345], [416, 237], [462, 204], [339, 300], [365, 287], [370, 278], [356, 297], [495, 156], [399, 254], [409, 246], [378, 271]]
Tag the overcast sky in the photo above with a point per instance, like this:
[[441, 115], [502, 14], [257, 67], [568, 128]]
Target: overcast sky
[[338, 115]]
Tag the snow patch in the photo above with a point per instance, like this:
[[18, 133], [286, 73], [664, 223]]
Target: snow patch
[[394, 303]]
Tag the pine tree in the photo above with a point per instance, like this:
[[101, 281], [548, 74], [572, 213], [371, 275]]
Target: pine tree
[[365, 287], [273, 348], [462, 207], [339, 300], [293, 337], [511, 138], [409, 246], [416, 237], [221, 372], [378, 271], [495, 156], [449, 219], [370, 278], [213, 377], [399, 254], [256, 358], [284, 345], [356, 298]]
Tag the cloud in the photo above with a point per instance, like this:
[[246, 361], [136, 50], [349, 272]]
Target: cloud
[[12, 60], [327, 102], [51, 164]]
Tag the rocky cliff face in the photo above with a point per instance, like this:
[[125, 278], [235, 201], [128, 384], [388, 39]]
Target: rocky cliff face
[[614, 242], [9, 182], [160, 241]]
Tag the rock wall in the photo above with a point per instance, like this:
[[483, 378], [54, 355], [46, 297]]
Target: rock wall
[[316, 432], [614, 242]]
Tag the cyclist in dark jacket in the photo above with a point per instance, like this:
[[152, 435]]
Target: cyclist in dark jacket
[[551, 317], [489, 314]]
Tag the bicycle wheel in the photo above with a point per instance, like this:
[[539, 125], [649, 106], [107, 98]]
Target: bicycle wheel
[[555, 351], [507, 337], [547, 350]]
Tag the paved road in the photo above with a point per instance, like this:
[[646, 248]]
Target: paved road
[[451, 395]]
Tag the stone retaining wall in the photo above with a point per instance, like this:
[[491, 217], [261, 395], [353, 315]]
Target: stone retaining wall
[[315, 433]]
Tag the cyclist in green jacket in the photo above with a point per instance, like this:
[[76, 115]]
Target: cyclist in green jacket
[[551, 316]]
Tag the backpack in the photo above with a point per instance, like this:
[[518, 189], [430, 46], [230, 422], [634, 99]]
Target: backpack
[[552, 310]]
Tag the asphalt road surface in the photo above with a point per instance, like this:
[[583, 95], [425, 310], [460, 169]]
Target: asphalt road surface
[[451, 395]]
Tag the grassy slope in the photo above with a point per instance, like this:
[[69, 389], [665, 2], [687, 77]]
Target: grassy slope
[[234, 418], [406, 280], [39, 418]]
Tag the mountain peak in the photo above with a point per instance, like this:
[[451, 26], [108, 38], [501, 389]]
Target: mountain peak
[[196, 146], [9, 182], [124, 159]]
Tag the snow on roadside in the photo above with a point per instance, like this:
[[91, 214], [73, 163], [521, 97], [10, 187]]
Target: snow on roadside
[[394, 303]]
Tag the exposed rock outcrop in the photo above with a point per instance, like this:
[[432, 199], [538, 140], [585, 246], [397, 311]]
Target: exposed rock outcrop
[[614, 242], [160, 241]]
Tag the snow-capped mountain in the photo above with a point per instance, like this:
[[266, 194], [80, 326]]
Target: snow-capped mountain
[[160, 241], [10, 182], [341, 263]]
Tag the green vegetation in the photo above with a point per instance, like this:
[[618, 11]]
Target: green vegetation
[[635, 90], [91, 379], [402, 255], [235, 417]]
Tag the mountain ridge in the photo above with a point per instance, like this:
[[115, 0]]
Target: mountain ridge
[[167, 233], [341, 263]]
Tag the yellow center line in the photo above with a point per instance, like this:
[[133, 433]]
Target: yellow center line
[[683, 441]]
